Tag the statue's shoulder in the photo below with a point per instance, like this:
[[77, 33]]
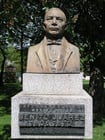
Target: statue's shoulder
[[73, 46], [70, 45], [35, 47]]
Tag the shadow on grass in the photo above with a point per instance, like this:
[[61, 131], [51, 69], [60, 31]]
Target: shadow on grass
[[6, 92], [99, 122], [5, 134], [10, 89]]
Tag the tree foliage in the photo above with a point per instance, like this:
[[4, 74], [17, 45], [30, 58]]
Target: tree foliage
[[21, 21]]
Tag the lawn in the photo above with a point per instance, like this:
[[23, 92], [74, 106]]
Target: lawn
[[10, 90], [6, 92]]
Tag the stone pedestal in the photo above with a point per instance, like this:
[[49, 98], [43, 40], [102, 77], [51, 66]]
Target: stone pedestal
[[52, 106]]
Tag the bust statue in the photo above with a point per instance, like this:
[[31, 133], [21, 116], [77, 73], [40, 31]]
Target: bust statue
[[54, 54]]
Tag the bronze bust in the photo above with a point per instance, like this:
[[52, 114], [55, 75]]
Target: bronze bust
[[54, 54]]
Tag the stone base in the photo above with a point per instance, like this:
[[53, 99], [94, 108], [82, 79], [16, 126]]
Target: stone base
[[52, 83], [19, 111]]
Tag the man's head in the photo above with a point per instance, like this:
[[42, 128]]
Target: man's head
[[54, 22]]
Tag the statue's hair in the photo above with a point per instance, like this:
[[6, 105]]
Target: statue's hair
[[47, 10]]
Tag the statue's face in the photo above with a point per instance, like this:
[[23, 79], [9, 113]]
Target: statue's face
[[54, 21]]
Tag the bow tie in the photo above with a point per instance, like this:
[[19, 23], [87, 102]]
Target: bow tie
[[54, 42]]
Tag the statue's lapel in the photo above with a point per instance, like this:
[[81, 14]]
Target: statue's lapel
[[43, 55], [69, 52], [66, 52]]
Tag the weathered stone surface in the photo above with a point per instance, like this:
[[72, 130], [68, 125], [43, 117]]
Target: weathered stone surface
[[52, 83]]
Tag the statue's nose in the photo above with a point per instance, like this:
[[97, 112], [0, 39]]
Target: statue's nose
[[54, 21]]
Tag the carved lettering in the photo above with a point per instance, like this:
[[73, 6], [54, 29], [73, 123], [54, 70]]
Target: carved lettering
[[51, 117]]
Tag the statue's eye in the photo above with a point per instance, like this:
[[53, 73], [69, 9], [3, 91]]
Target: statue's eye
[[49, 18], [60, 19]]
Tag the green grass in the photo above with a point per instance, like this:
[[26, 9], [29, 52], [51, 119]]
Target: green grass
[[86, 84], [99, 131], [6, 92], [4, 120], [10, 90]]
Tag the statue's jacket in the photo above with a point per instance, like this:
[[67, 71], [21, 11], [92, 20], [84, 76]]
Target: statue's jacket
[[38, 58]]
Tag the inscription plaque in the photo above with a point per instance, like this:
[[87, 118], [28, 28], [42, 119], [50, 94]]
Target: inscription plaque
[[45, 119]]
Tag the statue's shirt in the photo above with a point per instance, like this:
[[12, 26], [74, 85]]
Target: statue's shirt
[[54, 51], [54, 55]]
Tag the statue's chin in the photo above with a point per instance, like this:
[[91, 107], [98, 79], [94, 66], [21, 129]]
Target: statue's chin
[[54, 35]]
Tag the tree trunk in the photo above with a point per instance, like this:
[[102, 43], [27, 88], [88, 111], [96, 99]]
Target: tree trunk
[[96, 83], [21, 56], [2, 66], [96, 90]]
